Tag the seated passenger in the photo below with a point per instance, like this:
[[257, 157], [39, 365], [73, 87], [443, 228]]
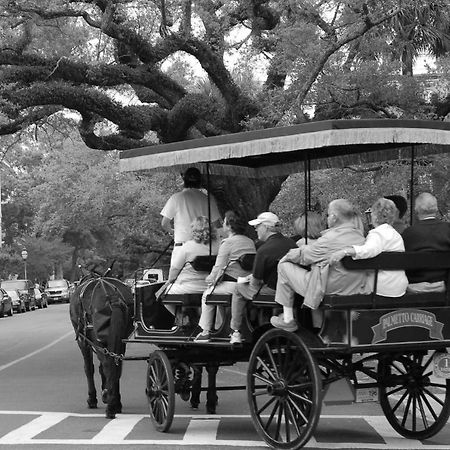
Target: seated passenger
[[183, 278], [401, 206], [427, 234], [292, 278], [226, 271], [264, 276], [382, 238], [313, 228], [358, 222]]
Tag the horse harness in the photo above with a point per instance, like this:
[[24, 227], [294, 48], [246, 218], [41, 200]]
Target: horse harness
[[87, 325]]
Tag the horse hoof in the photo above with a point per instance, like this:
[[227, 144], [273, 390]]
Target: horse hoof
[[194, 406], [211, 409], [92, 404], [110, 415], [185, 395], [105, 396]]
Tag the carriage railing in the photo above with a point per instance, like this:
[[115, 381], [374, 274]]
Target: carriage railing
[[409, 261]]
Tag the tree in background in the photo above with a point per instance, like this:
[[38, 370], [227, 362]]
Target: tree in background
[[76, 208], [117, 65]]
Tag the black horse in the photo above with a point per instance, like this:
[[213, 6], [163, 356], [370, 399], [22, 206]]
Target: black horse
[[101, 311]]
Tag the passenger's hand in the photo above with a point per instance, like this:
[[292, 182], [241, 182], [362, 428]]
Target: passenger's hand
[[336, 257]]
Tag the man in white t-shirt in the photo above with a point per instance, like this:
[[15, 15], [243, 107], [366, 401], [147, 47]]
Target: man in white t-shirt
[[185, 206]]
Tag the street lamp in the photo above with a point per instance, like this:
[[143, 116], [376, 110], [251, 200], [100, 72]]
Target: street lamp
[[24, 257]]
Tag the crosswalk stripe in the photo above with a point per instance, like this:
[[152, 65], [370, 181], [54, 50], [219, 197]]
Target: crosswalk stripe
[[117, 429], [389, 435], [201, 431], [33, 428]]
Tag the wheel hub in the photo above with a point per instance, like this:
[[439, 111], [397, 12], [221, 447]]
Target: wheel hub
[[278, 388]]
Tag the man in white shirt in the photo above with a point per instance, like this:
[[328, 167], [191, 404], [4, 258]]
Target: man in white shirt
[[185, 206]]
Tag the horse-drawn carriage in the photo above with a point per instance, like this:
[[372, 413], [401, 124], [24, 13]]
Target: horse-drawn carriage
[[399, 345]]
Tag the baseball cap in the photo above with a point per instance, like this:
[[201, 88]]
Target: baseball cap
[[267, 218]]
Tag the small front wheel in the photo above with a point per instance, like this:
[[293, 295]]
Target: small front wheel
[[284, 390], [160, 390]]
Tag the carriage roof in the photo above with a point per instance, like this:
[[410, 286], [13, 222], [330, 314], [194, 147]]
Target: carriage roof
[[284, 150]]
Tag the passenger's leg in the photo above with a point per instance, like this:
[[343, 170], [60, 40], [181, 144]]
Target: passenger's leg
[[209, 311], [291, 279], [189, 287], [241, 294]]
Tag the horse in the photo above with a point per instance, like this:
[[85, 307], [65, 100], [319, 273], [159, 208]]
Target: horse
[[101, 312]]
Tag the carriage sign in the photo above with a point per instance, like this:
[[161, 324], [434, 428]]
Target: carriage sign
[[407, 318]]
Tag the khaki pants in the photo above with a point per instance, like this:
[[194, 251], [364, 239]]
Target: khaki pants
[[243, 293], [291, 279]]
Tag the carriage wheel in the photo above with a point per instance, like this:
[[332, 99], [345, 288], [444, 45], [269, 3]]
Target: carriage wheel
[[160, 390], [284, 390], [416, 406]]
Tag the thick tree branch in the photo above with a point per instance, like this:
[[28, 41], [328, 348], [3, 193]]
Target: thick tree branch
[[25, 120], [27, 68], [186, 113], [331, 47], [133, 121]]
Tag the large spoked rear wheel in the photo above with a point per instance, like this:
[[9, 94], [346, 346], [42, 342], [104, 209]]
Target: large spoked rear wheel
[[416, 406], [284, 390], [160, 390]]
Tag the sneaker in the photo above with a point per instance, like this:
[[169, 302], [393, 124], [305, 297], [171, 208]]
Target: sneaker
[[278, 322], [236, 337], [204, 336]]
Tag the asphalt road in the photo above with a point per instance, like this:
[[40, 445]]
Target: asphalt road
[[43, 402]]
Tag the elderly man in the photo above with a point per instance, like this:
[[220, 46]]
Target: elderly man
[[264, 274], [293, 279], [428, 234]]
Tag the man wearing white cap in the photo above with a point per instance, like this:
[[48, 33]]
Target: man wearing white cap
[[264, 273]]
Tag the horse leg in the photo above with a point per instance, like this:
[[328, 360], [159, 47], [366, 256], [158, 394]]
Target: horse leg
[[103, 378], [86, 351], [196, 386], [111, 393], [211, 394]]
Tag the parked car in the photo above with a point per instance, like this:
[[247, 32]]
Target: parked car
[[26, 291], [57, 291], [17, 301], [5, 304], [41, 298]]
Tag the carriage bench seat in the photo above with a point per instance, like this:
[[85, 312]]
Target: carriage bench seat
[[182, 299], [394, 261], [246, 263], [202, 263], [225, 300]]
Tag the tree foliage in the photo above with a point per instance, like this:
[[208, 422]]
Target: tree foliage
[[122, 66], [127, 73]]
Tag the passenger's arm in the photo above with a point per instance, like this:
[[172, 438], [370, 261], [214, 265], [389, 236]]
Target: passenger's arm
[[166, 225], [177, 264], [292, 255], [173, 273], [223, 256], [371, 248], [339, 254]]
